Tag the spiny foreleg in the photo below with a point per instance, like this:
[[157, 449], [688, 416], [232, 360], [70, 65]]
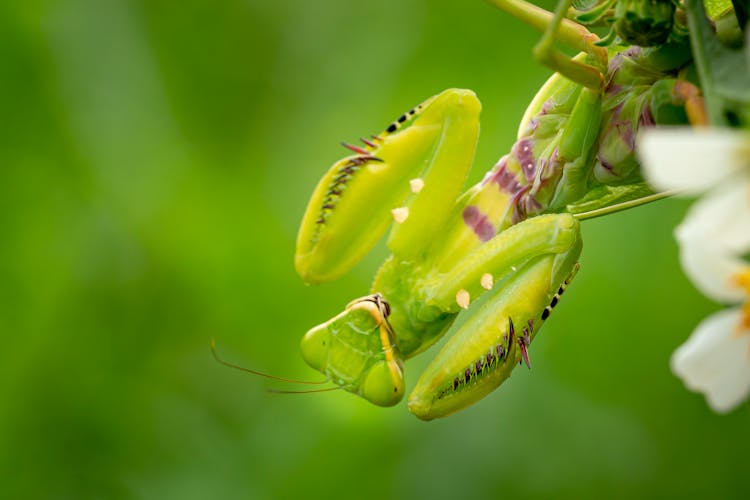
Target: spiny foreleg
[[527, 276]]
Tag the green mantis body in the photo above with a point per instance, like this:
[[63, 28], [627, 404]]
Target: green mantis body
[[513, 236]]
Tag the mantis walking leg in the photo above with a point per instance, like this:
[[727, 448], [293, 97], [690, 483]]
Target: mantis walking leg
[[556, 27]]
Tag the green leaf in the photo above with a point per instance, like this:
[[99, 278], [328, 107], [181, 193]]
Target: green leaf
[[723, 72]]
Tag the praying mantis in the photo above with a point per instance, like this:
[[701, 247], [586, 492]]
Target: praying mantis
[[515, 236]]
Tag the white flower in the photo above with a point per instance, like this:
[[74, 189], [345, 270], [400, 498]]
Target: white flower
[[713, 239]]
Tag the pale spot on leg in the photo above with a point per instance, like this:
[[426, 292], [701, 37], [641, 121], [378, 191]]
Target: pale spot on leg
[[400, 214], [487, 281], [463, 298], [416, 185]]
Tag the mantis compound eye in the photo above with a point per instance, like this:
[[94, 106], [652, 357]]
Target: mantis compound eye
[[314, 347], [384, 384]]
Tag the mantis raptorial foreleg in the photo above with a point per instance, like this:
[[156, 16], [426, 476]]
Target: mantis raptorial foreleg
[[402, 174], [496, 337], [499, 257], [532, 262]]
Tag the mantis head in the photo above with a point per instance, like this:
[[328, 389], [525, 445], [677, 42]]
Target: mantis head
[[355, 350]]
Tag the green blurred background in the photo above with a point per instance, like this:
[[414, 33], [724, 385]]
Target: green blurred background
[[156, 158]]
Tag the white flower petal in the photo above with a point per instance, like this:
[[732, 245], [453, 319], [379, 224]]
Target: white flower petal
[[691, 161], [712, 237], [716, 361], [721, 218], [713, 272]]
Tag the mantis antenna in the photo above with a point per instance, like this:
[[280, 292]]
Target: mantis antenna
[[261, 374], [327, 389]]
